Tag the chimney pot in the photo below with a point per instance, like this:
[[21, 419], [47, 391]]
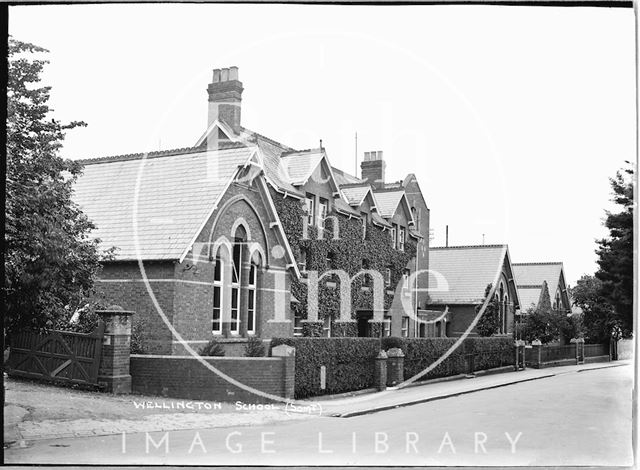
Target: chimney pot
[[225, 98], [373, 168]]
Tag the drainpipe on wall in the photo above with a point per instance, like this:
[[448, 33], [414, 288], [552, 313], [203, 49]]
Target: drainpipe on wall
[[415, 297]]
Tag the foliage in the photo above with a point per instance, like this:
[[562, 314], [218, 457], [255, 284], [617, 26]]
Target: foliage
[[83, 320], [348, 252], [50, 260], [254, 347], [543, 323], [598, 317], [489, 323], [572, 327], [391, 342], [349, 363], [138, 337], [490, 353], [212, 348], [615, 258]]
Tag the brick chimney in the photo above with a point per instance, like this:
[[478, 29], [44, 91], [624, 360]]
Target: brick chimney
[[373, 168], [225, 97]]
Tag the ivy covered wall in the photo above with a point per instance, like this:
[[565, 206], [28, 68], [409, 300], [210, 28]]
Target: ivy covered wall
[[347, 252]]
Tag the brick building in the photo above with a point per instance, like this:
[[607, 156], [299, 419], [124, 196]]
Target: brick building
[[459, 278], [530, 278], [218, 239]]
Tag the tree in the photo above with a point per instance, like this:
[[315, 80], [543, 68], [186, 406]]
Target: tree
[[615, 255], [599, 318], [50, 259], [542, 322], [489, 323]]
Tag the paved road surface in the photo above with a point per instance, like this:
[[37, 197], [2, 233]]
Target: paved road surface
[[571, 419]]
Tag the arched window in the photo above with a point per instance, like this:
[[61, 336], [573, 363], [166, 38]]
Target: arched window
[[503, 315], [216, 319], [240, 238], [251, 299], [416, 218]]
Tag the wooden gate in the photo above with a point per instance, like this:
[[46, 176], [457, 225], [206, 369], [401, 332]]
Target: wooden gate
[[58, 356]]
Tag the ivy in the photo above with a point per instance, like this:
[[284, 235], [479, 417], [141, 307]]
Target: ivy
[[347, 253]]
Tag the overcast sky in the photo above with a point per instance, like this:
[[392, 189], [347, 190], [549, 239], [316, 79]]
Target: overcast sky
[[512, 118]]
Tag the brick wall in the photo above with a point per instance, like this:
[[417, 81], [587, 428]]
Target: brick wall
[[186, 377], [193, 304], [121, 283]]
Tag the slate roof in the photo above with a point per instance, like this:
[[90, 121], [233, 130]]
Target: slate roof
[[355, 194], [529, 296], [387, 202], [271, 152], [534, 274], [300, 165], [168, 196], [342, 177], [467, 270], [378, 220], [345, 208]]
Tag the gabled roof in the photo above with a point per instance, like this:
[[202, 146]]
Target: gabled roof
[[534, 274], [344, 208], [467, 270], [164, 200], [301, 165], [529, 278], [379, 221], [342, 177], [355, 194], [274, 169], [529, 296], [387, 202]]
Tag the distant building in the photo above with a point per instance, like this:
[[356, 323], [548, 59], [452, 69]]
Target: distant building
[[458, 281], [530, 278]]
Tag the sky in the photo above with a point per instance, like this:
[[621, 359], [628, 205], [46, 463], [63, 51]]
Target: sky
[[512, 118]]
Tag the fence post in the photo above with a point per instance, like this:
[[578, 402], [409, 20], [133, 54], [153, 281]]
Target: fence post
[[520, 355], [288, 355], [381, 371], [537, 353], [113, 373], [579, 343], [395, 367]]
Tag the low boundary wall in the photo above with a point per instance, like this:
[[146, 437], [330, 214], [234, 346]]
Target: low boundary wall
[[187, 377]]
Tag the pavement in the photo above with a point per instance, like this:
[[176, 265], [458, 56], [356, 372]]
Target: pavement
[[35, 411]]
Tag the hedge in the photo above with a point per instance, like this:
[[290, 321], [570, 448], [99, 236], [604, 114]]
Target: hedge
[[349, 363]]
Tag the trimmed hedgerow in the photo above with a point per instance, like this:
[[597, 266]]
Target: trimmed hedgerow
[[491, 352], [349, 363], [420, 353]]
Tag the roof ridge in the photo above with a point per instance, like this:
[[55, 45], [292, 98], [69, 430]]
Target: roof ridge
[[288, 153], [389, 190], [271, 141], [136, 156], [539, 263], [467, 246], [529, 286]]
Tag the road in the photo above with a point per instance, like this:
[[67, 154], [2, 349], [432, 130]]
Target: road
[[571, 419]]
